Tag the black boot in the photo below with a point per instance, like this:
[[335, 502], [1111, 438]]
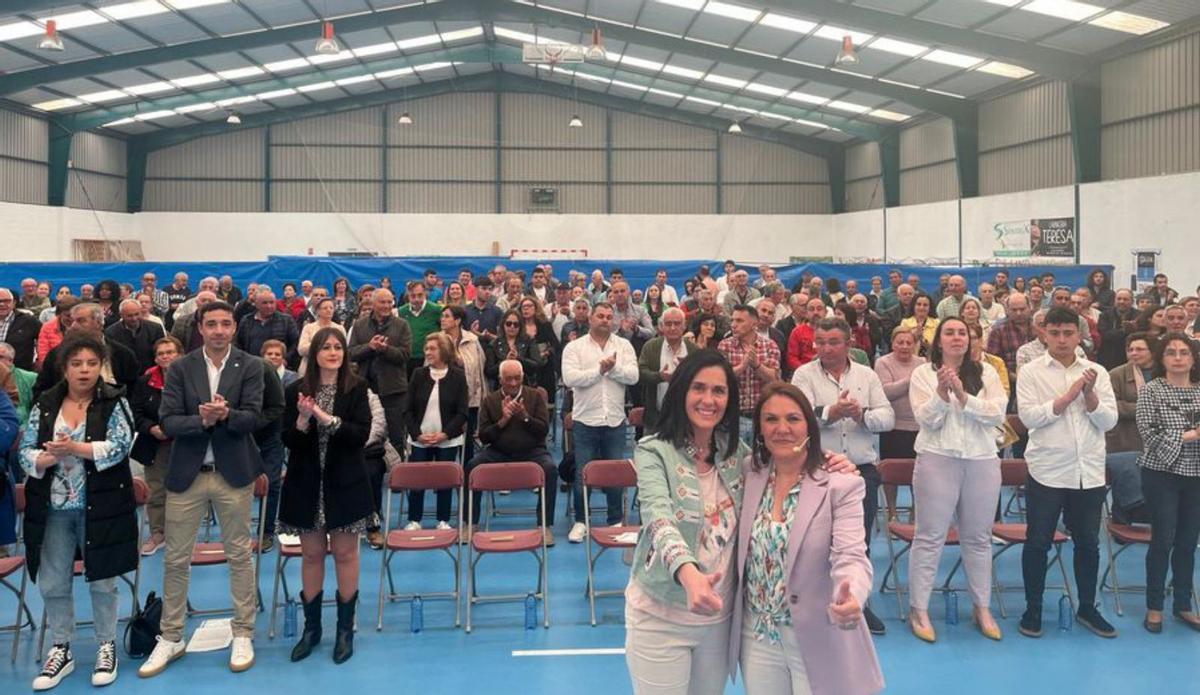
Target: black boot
[[311, 636], [343, 645]]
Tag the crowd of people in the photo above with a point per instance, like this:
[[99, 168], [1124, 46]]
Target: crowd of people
[[766, 410]]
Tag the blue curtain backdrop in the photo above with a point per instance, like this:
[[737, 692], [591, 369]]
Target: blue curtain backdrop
[[322, 270]]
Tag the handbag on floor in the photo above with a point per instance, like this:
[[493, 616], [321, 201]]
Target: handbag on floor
[[144, 628]]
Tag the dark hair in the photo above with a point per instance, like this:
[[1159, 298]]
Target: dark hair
[[286, 285], [1142, 322], [349, 287], [312, 375], [215, 305], [848, 311], [970, 371], [604, 305], [1160, 369], [77, 342], [1150, 340], [1061, 316], [113, 287], [833, 285], [430, 271], [1102, 286], [762, 457], [65, 304], [456, 311], [169, 339], [321, 301], [834, 324], [516, 314], [673, 425]]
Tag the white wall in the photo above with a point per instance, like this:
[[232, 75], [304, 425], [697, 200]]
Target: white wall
[[43, 233], [980, 214], [925, 231], [1162, 212], [252, 236]]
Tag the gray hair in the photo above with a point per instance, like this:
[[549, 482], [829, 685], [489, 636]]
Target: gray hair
[[510, 365], [834, 324], [134, 302], [672, 311], [94, 309], [8, 351]]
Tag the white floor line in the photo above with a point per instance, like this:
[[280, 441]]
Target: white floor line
[[617, 651]]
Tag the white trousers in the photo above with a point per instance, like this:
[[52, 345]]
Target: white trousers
[[669, 659], [773, 669]]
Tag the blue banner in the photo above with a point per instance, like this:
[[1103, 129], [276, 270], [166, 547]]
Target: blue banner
[[323, 270]]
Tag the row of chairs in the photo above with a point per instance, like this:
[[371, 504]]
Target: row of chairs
[[1014, 474]]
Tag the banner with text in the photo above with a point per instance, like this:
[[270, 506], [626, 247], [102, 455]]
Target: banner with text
[[1046, 238]]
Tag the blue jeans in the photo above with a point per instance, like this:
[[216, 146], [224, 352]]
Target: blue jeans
[[593, 444], [1126, 479], [56, 578], [1080, 510]]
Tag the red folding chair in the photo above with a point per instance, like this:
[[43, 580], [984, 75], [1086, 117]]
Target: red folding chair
[[1126, 536], [434, 475], [491, 477], [9, 566], [141, 494], [1014, 474], [606, 473], [213, 553], [899, 472]]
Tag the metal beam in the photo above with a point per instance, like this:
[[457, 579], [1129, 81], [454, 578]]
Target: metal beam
[[1049, 62], [837, 183], [889, 167], [966, 153], [514, 12], [28, 79], [135, 176], [59, 169], [87, 120], [16, 7], [1084, 101]]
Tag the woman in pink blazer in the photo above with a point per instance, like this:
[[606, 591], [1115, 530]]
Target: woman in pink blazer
[[802, 564]]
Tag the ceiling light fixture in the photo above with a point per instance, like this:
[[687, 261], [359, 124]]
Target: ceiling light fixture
[[735, 128], [51, 41], [596, 52], [328, 43], [576, 121], [847, 55], [233, 118], [405, 119]]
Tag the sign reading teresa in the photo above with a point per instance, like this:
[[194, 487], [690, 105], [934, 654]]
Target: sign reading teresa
[[1051, 237]]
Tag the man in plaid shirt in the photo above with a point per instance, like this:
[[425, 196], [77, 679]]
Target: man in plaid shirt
[[755, 361], [1008, 336]]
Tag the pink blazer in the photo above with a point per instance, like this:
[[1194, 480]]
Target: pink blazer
[[825, 547]]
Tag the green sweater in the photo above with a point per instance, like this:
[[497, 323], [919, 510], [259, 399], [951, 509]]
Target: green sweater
[[428, 321]]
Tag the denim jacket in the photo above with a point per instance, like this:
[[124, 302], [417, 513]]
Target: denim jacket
[[672, 513]]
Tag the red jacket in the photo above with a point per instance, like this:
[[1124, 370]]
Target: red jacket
[[800, 346]]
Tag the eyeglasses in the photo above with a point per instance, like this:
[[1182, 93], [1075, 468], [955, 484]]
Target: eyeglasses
[[514, 324]]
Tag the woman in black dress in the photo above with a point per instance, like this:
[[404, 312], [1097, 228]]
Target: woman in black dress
[[326, 495]]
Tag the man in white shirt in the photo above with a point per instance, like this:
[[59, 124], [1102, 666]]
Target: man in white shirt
[[852, 408], [1067, 403], [993, 310], [667, 293], [598, 367]]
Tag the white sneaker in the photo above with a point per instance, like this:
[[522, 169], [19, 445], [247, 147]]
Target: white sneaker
[[241, 656], [577, 533], [164, 653], [412, 526], [106, 665], [443, 526], [58, 665]]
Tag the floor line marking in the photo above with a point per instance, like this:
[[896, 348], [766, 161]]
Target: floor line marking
[[615, 651]]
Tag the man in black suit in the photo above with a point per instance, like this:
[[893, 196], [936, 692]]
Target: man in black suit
[[210, 408], [18, 329], [121, 367], [134, 333]]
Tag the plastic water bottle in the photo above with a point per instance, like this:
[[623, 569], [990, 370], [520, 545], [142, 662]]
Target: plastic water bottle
[[417, 616], [1064, 614], [530, 612], [952, 608], [290, 609]]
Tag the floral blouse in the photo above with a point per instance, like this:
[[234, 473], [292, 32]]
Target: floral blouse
[[766, 567], [67, 490]]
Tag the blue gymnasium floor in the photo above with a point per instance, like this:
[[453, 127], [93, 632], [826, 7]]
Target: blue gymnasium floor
[[442, 659]]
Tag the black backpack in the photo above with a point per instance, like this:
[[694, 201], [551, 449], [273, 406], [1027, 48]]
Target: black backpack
[[143, 630]]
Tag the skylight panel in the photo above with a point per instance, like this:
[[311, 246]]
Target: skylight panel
[[806, 98], [682, 72], [468, 33], [76, 20], [195, 80], [277, 93], [1063, 9], [724, 9], [848, 106], [192, 108], [150, 88], [958, 60], [1128, 23], [995, 67], [888, 115], [780, 21], [904, 48], [765, 89], [837, 34], [241, 73], [285, 65], [725, 81], [106, 95], [56, 104], [132, 10], [19, 30]]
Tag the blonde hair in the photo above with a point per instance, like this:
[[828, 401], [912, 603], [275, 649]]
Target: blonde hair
[[446, 347]]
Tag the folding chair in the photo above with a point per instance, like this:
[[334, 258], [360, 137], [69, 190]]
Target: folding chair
[[141, 494], [210, 554], [606, 474], [436, 475], [284, 553], [10, 566], [1126, 536], [1014, 474], [491, 477]]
